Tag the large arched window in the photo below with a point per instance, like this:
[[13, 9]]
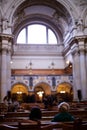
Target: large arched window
[[36, 34]]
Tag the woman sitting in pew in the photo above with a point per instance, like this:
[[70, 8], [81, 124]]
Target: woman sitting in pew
[[63, 113]]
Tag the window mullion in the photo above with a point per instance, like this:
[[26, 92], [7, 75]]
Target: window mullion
[[27, 35], [47, 35], [31, 34]]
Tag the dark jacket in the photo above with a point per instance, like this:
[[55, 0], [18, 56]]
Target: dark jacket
[[63, 117]]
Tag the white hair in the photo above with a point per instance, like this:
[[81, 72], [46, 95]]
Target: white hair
[[64, 105]]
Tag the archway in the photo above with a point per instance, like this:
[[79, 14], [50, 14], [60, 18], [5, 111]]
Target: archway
[[65, 92], [19, 91], [42, 89]]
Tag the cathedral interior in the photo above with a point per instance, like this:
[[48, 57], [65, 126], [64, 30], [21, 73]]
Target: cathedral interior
[[43, 49]]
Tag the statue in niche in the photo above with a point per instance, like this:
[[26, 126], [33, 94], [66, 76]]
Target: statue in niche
[[5, 24], [79, 25]]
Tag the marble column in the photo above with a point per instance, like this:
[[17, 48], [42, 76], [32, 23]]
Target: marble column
[[3, 74], [83, 74], [0, 76], [9, 64], [5, 84], [76, 71], [74, 82], [86, 55], [9, 70]]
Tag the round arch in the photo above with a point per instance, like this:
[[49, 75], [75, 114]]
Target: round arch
[[16, 4], [46, 87], [19, 91], [71, 8], [42, 20], [65, 91], [41, 89], [56, 6]]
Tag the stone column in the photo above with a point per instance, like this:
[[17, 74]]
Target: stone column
[[8, 70], [3, 74], [0, 73], [9, 64], [83, 68], [86, 54], [5, 84], [76, 70]]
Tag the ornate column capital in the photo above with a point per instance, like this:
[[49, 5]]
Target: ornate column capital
[[6, 37], [78, 44], [74, 49], [81, 44], [6, 42], [81, 39]]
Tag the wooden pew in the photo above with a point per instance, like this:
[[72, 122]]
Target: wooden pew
[[76, 125], [51, 126], [28, 127], [8, 127], [72, 127], [47, 115]]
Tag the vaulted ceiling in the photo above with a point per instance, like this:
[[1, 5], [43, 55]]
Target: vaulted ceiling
[[50, 12]]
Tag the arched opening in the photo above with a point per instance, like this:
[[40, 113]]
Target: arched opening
[[34, 36], [19, 91], [65, 92], [41, 90]]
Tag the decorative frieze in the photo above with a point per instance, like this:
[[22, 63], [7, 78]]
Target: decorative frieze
[[36, 79], [35, 47]]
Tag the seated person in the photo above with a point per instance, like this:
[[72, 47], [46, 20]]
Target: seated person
[[63, 114], [35, 113], [34, 116]]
